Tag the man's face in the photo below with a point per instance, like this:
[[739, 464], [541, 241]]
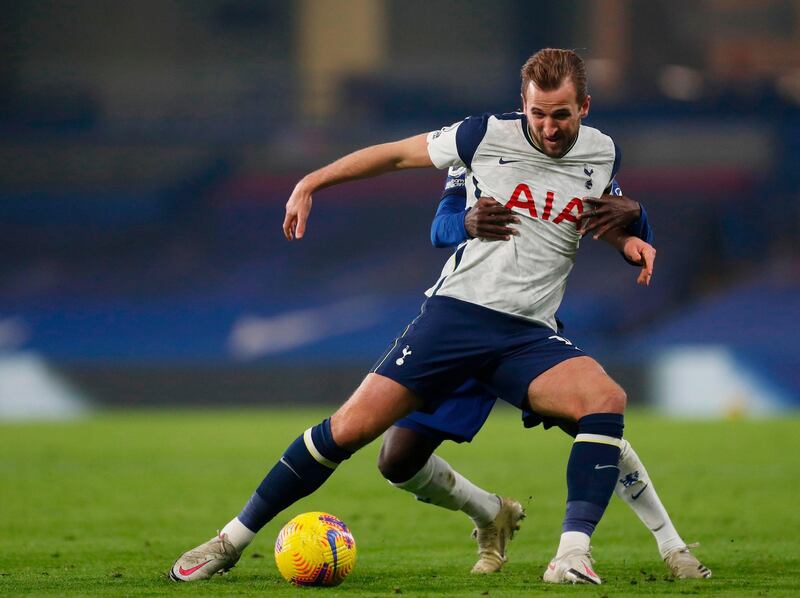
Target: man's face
[[554, 116]]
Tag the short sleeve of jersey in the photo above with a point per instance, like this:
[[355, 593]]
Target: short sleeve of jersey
[[456, 145]]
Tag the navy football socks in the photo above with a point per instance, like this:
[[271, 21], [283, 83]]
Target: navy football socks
[[592, 470], [304, 467]]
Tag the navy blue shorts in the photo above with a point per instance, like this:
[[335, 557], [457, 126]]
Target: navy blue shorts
[[453, 342], [458, 417]]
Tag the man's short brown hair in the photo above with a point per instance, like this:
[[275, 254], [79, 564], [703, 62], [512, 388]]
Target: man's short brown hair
[[548, 68]]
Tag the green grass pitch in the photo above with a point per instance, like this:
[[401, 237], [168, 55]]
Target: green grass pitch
[[103, 507]]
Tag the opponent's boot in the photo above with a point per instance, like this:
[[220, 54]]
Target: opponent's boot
[[684, 565], [215, 556], [572, 567], [493, 539]]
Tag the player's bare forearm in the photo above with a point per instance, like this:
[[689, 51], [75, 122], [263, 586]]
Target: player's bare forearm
[[635, 250], [370, 162], [616, 237], [365, 163]]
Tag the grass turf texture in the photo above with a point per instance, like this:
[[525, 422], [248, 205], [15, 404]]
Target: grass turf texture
[[104, 506]]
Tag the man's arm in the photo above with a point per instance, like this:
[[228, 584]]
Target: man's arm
[[447, 228], [615, 210], [486, 220], [641, 226], [365, 163], [453, 225], [635, 251]]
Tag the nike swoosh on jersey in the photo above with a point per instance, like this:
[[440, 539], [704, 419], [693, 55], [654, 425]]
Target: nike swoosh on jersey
[[598, 466], [638, 494], [507, 161]]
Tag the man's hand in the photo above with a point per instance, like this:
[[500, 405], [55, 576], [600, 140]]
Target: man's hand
[[642, 254], [607, 212], [297, 209], [489, 220]]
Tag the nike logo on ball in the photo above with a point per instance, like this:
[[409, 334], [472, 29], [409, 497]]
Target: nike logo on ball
[[598, 466]]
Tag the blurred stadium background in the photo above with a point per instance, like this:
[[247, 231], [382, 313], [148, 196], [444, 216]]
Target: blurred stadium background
[[147, 149]]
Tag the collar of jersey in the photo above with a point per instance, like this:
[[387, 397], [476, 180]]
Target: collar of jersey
[[526, 131]]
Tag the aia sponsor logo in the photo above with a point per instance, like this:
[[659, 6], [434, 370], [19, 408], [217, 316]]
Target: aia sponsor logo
[[523, 198]]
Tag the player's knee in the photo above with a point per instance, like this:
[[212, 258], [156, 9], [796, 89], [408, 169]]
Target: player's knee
[[611, 400], [606, 398], [403, 453], [395, 465]]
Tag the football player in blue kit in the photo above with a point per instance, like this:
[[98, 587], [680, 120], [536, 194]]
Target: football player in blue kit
[[490, 315], [407, 458]]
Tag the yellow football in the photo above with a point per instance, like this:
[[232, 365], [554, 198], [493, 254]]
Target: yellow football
[[315, 549]]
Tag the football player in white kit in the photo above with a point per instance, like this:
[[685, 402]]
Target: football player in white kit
[[489, 316], [407, 458]]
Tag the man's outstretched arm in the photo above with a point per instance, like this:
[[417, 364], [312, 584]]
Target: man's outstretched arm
[[364, 163]]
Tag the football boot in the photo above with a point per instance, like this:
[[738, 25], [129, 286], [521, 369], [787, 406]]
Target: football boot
[[215, 556], [493, 539]]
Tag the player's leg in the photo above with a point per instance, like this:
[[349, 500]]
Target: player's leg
[[408, 462], [435, 357], [305, 465], [579, 389], [635, 487], [407, 459]]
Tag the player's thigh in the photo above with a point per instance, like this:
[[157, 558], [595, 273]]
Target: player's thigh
[[375, 405], [574, 388]]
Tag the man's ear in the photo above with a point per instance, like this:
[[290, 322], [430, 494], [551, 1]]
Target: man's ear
[[585, 107]]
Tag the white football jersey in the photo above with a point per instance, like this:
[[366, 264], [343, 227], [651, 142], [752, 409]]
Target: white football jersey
[[525, 276]]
